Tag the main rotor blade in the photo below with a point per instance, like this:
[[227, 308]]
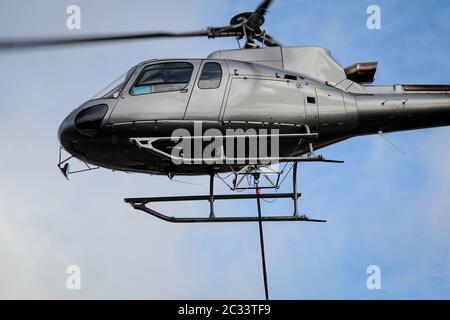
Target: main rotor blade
[[257, 18], [263, 7], [225, 31], [46, 42]]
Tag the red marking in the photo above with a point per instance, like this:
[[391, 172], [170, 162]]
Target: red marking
[[258, 191]]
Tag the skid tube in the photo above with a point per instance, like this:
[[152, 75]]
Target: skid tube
[[141, 204]]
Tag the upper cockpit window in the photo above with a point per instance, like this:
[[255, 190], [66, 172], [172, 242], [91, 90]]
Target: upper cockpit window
[[114, 89], [163, 77], [211, 76]]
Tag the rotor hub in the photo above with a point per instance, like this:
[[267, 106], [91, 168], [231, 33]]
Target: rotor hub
[[242, 18]]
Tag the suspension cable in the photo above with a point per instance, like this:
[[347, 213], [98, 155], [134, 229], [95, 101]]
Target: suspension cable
[[261, 239]]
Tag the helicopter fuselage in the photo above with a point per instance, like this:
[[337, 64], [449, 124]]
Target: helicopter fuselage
[[158, 97]]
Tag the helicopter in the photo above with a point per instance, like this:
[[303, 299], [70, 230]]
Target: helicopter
[[297, 99], [234, 116]]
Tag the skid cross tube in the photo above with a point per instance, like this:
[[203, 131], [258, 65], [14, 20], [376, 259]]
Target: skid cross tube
[[141, 204]]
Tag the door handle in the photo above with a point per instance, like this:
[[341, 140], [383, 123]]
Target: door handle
[[184, 90]]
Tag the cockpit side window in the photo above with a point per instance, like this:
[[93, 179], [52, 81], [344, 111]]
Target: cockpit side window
[[163, 77], [211, 76]]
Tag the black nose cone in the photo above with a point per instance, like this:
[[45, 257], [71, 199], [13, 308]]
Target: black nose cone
[[80, 129]]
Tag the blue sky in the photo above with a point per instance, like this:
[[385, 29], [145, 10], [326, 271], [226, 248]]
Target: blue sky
[[383, 208]]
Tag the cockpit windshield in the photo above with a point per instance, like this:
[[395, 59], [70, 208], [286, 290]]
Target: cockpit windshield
[[113, 90]]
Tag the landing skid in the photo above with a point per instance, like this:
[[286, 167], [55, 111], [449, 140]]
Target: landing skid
[[142, 203]]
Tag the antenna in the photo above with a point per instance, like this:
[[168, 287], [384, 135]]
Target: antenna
[[390, 142]]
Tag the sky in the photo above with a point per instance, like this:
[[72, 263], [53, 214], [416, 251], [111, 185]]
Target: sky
[[383, 208]]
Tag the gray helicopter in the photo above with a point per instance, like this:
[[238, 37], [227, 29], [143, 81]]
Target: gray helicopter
[[299, 96]]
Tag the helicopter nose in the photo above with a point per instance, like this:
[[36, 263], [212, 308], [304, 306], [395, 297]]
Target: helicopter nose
[[81, 125]]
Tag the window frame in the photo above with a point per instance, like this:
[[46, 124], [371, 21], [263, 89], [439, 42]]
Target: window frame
[[200, 75], [141, 74]]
